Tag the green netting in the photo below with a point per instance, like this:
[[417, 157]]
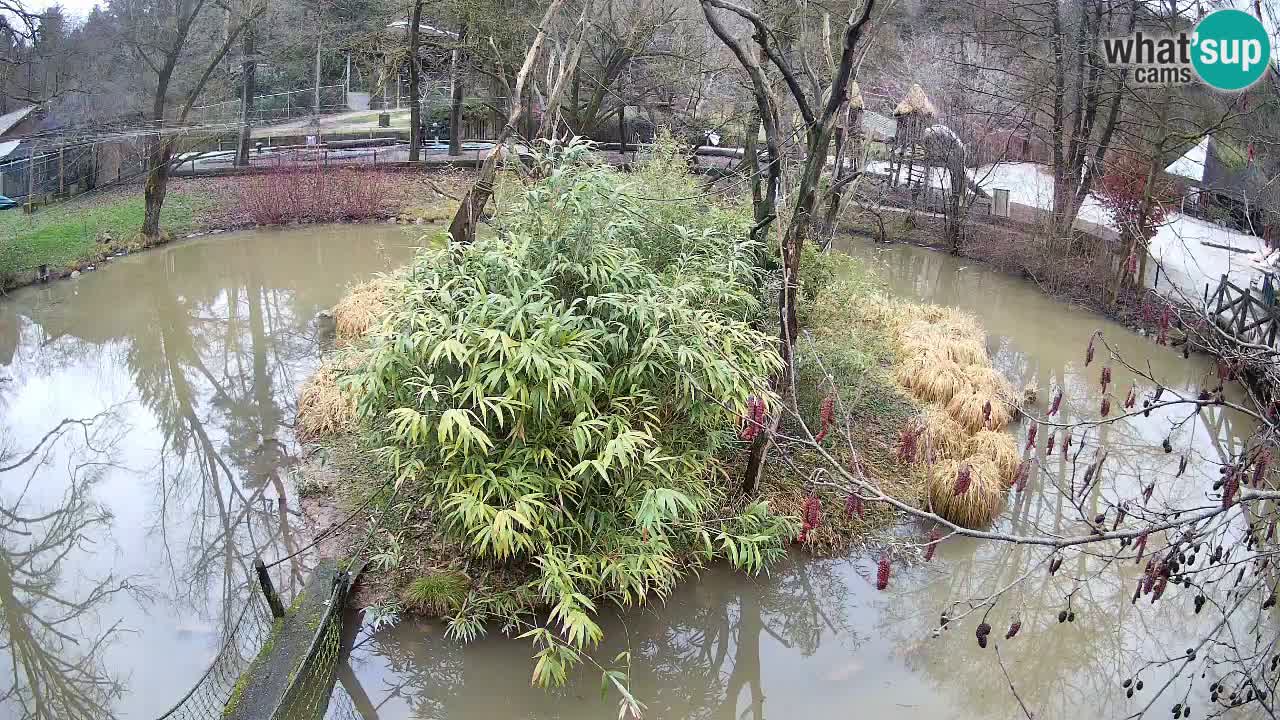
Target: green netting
[[217, 687], [311, 684]]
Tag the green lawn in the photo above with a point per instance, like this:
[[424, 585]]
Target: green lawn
[[67, 234]]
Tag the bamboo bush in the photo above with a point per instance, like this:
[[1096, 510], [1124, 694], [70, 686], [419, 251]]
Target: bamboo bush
[[560, 395]]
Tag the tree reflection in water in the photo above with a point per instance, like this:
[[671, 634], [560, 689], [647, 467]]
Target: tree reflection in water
[[207, 342], [700, 655], [50, 667]]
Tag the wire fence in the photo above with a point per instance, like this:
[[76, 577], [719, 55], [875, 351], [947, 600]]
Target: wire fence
[[276, 106], [209, 697], [307, 695], [312, 692]]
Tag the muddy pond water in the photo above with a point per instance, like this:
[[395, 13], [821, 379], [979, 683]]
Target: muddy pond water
[[139, 530]]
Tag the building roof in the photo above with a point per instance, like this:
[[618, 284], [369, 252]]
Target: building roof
[[9, 119], [877, 126], [1228, 172], [914, 102], [1191, 164]]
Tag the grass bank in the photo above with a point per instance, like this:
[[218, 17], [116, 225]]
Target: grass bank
[[83, 231]]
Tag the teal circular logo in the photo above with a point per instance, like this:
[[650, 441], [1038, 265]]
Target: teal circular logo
[[1231, 49]]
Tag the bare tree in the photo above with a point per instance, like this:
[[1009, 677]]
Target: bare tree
[[463, 227], [178, 42], [820, 108]]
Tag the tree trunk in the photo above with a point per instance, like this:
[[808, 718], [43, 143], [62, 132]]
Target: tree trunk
[[159, 151], [848, 142], [568, 67], [462, 230], [247, 91], [415, 102], [455, 95], [622, 131]]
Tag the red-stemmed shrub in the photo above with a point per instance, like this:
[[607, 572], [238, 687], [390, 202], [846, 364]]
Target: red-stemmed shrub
[[311, 194]]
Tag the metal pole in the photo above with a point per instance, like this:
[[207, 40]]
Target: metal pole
[[317, 70], [31, 178], [268, 588]]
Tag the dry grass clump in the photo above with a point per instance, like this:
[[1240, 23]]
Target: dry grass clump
[[979, 410], [980, 503], [942, 360], [1002, 450], [324, 408], [953, 336], [931, 378], [941, 437], [983, 377], [361, 308]]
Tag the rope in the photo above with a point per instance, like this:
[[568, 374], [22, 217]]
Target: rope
[[335, 526]]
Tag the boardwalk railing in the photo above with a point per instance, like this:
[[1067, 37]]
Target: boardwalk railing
[[1246, 315]]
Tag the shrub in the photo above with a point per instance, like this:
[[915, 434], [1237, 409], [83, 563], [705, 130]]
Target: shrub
[[559, 396], [1122, 190], [311, 194]]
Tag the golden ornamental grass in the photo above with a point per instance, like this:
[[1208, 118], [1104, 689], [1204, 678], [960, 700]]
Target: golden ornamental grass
[[323, 407], [361, 308], [980, 503], [941, 359], [931, 378], [970, 410], [985, 378], [941, 438], [1002, 450]]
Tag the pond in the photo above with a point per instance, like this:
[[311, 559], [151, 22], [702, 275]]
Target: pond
[[196, 352], [140, 529]]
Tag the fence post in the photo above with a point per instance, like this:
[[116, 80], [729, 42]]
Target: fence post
[[31, 179], [268, 589]]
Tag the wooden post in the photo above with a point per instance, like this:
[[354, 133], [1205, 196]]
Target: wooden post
[[62, 166], [268, 589], [1243, 315]]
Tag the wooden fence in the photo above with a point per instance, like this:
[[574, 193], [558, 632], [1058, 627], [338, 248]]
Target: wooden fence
[[1244, 314]]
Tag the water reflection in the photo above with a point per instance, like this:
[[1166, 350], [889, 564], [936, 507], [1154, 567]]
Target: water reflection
[[53, 667], [1062, 669], [710, 652], [200, 349]]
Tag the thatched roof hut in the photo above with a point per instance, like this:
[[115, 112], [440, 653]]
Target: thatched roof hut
[[915, 103]]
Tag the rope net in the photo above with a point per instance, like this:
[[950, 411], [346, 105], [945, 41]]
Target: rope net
[[311, 684], [211, 693]]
